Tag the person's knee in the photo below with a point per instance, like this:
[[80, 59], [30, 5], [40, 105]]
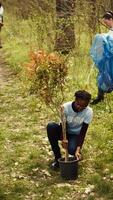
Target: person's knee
[[52, 128], [49, 126]]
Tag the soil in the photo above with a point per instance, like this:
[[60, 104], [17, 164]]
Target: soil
[[5, 71]]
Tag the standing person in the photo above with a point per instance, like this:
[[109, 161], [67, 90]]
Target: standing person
[[78, 117], [1, 20], [1, 13], [105, 65]]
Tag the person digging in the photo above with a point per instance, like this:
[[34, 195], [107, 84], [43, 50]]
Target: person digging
[[78, 117]]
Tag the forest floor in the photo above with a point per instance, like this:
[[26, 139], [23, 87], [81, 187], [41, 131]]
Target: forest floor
[[5, 72], [25, 152]]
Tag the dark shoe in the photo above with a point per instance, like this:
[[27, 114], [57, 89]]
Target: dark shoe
[[55, 165], [97, 100]]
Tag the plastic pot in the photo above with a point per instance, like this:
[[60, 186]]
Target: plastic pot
[[69, 169]]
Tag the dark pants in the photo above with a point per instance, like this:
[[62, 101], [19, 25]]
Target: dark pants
[[100, 94], [1, 19], [54, 133]]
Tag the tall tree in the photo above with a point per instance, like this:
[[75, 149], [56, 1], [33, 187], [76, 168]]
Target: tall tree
[[111, 1], [92, 15], [65, 35]]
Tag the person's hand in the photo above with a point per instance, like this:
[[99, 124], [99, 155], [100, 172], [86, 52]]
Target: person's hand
[[65, 144], [78, 154]]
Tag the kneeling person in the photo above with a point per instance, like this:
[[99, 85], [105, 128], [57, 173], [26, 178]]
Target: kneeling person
[[78, 117]]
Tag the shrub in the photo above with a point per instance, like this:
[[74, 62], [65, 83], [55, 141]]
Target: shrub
[[47, 72]]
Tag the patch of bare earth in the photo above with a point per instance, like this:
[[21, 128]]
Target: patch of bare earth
[[5, 71]]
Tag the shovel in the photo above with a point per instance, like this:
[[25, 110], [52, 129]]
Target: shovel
[[63, 120]]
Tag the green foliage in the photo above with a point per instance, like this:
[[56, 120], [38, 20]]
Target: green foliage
[[24, 148], [103, 188]]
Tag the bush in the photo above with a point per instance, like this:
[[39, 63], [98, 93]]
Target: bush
[[47, 72]]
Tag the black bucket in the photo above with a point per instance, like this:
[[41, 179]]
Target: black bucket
[[69, 169]]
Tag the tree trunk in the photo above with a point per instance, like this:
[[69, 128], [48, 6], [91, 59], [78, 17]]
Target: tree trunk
[[92, 15], [92, 18], [65, 36], [111, 1]]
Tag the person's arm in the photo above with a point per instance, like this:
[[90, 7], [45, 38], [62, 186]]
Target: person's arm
[[82, 134], [80, 140]]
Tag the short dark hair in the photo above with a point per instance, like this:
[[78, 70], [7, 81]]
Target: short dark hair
[[82, 94], [108, 15]]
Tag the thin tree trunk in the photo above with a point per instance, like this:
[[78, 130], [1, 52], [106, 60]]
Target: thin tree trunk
[[111, 2], [92, 18], [0, 37], [65, 35]]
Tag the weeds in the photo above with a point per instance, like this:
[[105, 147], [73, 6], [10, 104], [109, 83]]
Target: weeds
[[24, 148]]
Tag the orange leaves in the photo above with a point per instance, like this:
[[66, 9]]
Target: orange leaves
[[53, 58], [31, 68], [38, 56], [42, 59], [48, 72]]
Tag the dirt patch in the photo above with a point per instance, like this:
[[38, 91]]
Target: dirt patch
[[5, 71]]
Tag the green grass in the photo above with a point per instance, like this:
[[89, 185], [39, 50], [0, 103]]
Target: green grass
[[25, 152], [24, 148]]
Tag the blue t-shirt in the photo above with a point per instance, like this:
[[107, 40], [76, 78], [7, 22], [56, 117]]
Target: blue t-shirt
[[75, 119]]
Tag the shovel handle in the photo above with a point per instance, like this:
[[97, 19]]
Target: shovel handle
[[66, 155], [63, 120]]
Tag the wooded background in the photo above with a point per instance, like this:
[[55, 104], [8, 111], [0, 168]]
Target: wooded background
[[68, 15], [30, 27]]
